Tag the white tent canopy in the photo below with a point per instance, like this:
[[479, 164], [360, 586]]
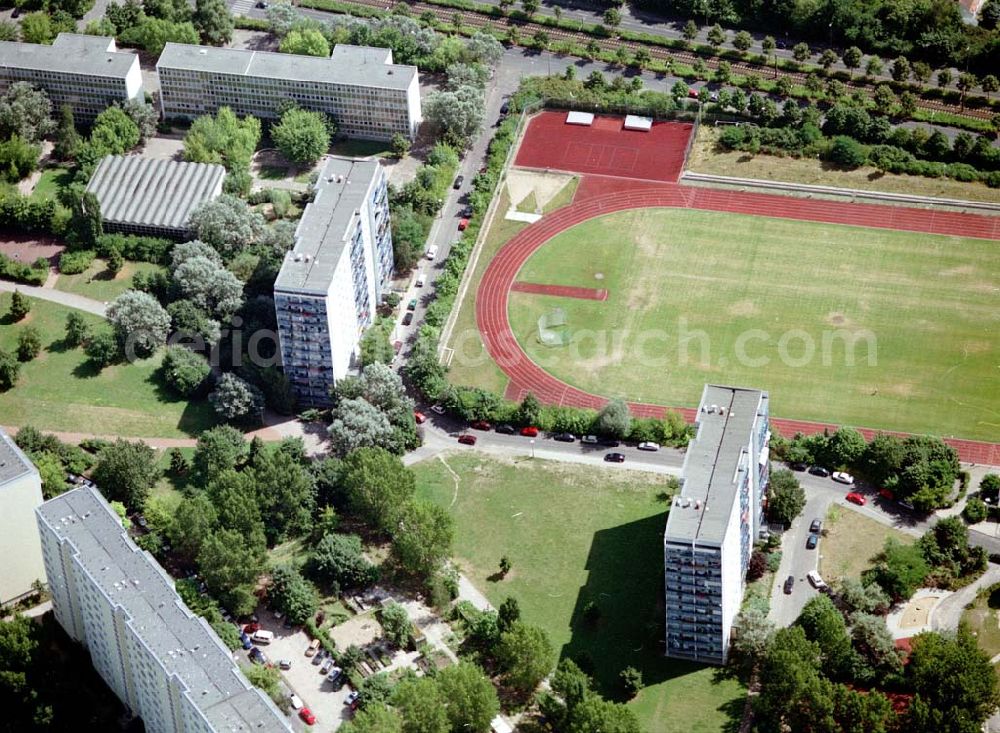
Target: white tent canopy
[[580, 118], [635, 122]]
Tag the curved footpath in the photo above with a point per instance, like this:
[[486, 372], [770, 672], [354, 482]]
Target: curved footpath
[[70, 300], [525, 376]]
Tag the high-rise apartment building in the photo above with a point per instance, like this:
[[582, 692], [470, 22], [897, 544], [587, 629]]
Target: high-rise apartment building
[[164, 663], [334, 278], [88, 73], [714, 521], [20, 495], [360, 87]]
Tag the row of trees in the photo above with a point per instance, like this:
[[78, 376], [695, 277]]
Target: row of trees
[[151, 25]]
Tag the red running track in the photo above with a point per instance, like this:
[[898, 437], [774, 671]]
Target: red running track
[[525, 375], [561, 291]]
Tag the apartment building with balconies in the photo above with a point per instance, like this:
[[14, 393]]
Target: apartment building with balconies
[[333, 279], [714, 521]]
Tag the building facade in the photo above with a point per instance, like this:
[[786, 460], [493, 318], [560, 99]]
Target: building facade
[[20, 495], [334, 277], [153, 197], [88, 73], [366, 94], [714, 521], [164, 663]]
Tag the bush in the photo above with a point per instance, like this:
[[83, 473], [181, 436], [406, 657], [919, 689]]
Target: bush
[[73, 263], [847, 151], [185, 371], [975, 510]]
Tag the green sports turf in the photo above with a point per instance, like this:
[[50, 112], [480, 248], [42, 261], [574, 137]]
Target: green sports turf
[[692, 295], [576, 534]]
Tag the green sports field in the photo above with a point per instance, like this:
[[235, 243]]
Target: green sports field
[[699, 296]]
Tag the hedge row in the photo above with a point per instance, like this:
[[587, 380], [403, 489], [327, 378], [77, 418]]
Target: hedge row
[[27, 214], [136, 248], [73, 263], [33, 274]]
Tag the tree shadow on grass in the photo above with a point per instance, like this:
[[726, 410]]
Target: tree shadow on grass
[[87, 369], [196, 416]]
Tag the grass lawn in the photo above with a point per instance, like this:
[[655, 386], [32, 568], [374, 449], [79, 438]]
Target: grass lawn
[[850, 541], [96, 282], [707, 158], [564, 197], [858, 326], [361, 148], [61, 391], [51, 182], [576, 534], [983, 618], [471, 365]]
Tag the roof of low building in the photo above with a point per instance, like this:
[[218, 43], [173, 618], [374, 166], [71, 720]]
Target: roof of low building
[[13, 462], [354, 65], [322, 233], [702, 509], [70, 53], [183, 643], [154, 193]]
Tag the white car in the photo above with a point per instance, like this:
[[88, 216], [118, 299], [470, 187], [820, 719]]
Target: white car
[[649, 445], [296, 702], [843, 478]]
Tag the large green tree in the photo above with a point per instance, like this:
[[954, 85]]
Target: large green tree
[[422, 706], [126, 472], [230, 565], [786, 498], [292, 594], [526, 655], [422, 538], [378, 486], [217, 450], [213, 21], [286, 494], [339, 558], [303, 137], [470, 698], [193, 520]]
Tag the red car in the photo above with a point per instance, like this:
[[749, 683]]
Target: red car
[[693, 93], [466, 439], [530, 432], [463, 224], [481, 425], [419, 417], [251, 627], [307, 717], [855, 498], [886, 494]]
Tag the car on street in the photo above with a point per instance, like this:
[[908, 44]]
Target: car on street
[[246, 641], [816, 581], [614, 457], [419, 417], [463, 224], [458, 182], [467, 439], [589, 440], [819, 471], [320, 656], [397, 346], [530, 432], [251, 627], [564, 437], [257, 656], [407, 319], [307, 717], [694, 93], [412, 305], [352, 699], [886, 494], [649, 445], [505, 107], [855, 498], [842, 477], [789, 584], [610, 442], [437, 409], [815, 526], [798, 466], [327, 666], [284, 664], [296, 702], [480, 425], [812, 541], [506, 429], [334, 674]]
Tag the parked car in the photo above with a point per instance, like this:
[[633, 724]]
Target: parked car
[[246, 641], [408, 319], [467, 439], [421, 280], [397, 346], [419, 418], [812, 541], [530, 432], [251, 627], [816, 581], [320, 656], [437, 409], [312, 648], [589, 440], [262, 636], [327, 666], [506, 429], [789, 584], [296, 702], [843, 477], [815, 526], [886, 494], [693, 92], [505, 107], [412, 305], [284, 664], [564, 437], [819, 471], [649, 445], [463, 224], [481, 425], [307, 717], [352, 698], [458, 182], [610, 442], [334, 674], [614, 457], [855, 498], [432, 252], [257, 656], [798, 466]]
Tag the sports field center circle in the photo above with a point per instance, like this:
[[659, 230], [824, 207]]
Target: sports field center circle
[[499, 277]]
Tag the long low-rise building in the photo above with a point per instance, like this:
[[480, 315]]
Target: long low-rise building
[[366, 94], [20, 495], [335, 276], [153, 197], [714, 521], [164, 663], [88, 73]]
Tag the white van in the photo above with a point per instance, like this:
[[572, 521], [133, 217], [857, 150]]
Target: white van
[[262, 636], [432, 252], [816, 581], [421, 279]]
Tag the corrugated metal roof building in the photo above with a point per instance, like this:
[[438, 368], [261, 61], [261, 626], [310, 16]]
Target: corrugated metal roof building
[[153, 197]]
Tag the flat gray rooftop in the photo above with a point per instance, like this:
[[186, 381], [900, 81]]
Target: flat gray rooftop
[[155, 193], [13, 462], [70, 53], [354, 65], [185, 645], [711, 465], [322, 233]]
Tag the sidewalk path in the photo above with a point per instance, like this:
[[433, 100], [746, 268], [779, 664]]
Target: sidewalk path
[[70, 300]]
